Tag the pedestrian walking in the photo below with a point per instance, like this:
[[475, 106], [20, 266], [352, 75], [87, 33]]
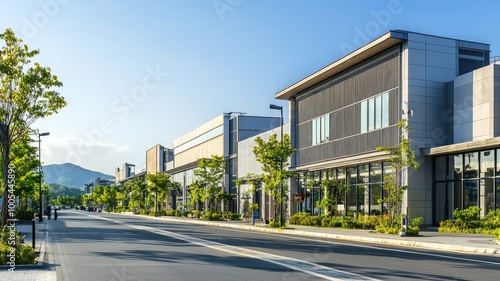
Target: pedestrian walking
[[48, 212], [55, 214]]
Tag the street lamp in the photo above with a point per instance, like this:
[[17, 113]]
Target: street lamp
[[40, 210], [280, 108]]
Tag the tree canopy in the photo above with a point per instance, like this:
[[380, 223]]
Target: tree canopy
[[26, 94]]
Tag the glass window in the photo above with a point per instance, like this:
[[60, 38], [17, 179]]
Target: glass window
[[371, 114], [378, 112], [341, 174], [471, 165], [364, 116], [321, 129], [487, 163], [375, 172], [385, 110], [351, 175], [364, 175], [470, 193], [314, 138], [387, 168], [486, 196], [375, 197], [498, 162], [457, 195], [363, 203], [440, 168], [456, 166], [497, 196]]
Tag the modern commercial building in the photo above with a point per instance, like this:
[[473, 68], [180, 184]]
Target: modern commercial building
[[157, 158], [127, 171], [248, 165], [341, 113], [219, 136]]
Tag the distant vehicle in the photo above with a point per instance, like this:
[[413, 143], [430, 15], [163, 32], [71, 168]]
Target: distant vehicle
[[99, 210], [57, 208], [89, 209], [82, 208], [67, 207]]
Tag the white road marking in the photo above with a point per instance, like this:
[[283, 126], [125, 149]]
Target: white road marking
[[317, 270]]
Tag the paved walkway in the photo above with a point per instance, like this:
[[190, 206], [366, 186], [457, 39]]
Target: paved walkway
[[31, 272]]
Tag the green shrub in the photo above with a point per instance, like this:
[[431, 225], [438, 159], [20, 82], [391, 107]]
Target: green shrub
[[185, 214], [467, 215], [25, 214], [216, 216], [196, 214], [207, 215], [469, 221], [384, 228], [24, 254], [273, 224], [235, 217], [170, 213]]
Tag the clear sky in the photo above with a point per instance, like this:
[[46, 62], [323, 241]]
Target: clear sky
[[141, 73]]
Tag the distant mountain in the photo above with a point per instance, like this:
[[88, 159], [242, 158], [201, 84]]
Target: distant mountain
[[71, 175]]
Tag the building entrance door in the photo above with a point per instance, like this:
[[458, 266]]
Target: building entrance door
[[443, 206]]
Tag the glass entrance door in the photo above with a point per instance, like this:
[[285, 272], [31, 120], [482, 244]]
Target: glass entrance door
[[443, 203]]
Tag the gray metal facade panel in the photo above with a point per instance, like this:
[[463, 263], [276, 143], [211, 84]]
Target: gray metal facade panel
[[354, 145], [341, 96]]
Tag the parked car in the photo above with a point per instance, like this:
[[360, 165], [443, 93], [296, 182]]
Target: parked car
[[67, 207], [99, 210]]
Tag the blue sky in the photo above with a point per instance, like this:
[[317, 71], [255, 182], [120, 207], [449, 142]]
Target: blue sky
[[141, 73]]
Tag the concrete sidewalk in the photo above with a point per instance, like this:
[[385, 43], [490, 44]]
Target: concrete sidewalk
[[36, 271], [428, 239]]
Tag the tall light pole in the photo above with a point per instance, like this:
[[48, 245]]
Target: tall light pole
[[40, 210], [280, 108]]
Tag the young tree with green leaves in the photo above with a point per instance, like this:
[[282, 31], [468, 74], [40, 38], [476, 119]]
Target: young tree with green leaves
[[161, 185], [402, 158], [138, 189], [210, 176], [26, 94], [334, 190], [273, 156]]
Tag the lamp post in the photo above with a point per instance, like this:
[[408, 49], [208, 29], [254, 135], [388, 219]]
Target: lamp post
[[280, 108], [40, 210]]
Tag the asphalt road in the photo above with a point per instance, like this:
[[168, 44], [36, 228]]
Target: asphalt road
[[99, 246]]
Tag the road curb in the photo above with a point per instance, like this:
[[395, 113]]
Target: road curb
[[374, 240]]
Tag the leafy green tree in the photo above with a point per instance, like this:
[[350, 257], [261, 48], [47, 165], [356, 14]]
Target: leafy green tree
[[210, 175], [273, 156], [26, 94], [138, 189], [334, 191], [195, 190], [161, 185], [402, 158], [24, 158]]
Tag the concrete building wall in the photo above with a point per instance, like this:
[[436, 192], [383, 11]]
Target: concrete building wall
[[474, 105], [155, 159], [214, 146]]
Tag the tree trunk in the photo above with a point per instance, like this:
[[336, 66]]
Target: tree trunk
[[5, 162]]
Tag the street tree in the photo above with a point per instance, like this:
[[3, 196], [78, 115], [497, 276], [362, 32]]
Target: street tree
[[138, 189], [24, 157], [26, 94], [402, 157], [210, 175], [273, 156], [161, 185]]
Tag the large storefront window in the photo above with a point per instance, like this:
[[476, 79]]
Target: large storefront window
[[465, 180], [362, 195]]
